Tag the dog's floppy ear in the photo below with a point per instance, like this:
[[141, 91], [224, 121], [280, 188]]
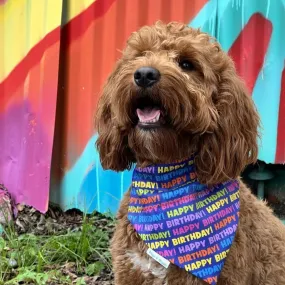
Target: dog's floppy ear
[[112, 142], [224, 153]]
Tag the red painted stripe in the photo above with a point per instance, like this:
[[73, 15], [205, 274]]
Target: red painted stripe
[[20, 72], [79, 24], [249, 49], [280, 149], [75, 28]]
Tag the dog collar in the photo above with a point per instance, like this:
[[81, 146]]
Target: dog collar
[[182, 221]]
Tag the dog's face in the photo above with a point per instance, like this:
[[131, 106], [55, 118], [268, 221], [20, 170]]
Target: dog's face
[[175, 92]]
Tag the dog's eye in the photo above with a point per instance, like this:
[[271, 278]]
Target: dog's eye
[[186, 65]]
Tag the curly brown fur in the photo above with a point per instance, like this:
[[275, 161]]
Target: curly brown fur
[[206, 109]]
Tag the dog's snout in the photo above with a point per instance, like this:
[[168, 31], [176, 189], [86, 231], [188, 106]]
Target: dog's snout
[[146, 76]]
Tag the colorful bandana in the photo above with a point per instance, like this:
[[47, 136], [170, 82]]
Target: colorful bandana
[[182, 221]]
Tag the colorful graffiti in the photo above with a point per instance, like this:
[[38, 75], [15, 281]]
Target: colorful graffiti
[[56, 62]]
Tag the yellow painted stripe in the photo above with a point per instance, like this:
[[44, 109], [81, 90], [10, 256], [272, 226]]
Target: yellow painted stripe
[[23, 23], [75, 7]]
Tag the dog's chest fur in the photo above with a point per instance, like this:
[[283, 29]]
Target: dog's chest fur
[[146, 265]]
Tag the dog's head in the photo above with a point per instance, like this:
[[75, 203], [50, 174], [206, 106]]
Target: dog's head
[[175, 92]]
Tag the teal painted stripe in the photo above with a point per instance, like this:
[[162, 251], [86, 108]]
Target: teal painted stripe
[[206, 18], [86, 186], [122, 184], [98, 182], [73, 179]]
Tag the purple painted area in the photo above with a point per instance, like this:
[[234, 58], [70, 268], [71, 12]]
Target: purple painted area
[[25, 156]]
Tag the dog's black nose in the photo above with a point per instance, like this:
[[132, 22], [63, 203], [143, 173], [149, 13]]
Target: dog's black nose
[[146, 76]]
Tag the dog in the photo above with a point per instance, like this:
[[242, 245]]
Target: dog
[[175, 94]]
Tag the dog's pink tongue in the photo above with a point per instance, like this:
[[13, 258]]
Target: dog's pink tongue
[[148, 114]]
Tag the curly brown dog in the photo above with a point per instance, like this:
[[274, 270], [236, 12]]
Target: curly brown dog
[[181, 79]]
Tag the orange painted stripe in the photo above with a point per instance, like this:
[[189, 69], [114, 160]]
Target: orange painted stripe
[[177, 11], [156, 9]]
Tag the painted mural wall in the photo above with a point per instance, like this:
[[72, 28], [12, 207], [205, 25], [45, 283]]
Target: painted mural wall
[[57, 55], [29, 48]]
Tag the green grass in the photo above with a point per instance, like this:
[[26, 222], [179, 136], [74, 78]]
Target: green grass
[[39, 259]]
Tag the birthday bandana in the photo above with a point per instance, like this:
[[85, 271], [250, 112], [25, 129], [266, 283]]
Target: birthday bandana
[[182, 221]]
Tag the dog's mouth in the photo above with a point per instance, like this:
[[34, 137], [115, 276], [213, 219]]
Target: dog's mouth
[[149, 112], [148, 117]]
